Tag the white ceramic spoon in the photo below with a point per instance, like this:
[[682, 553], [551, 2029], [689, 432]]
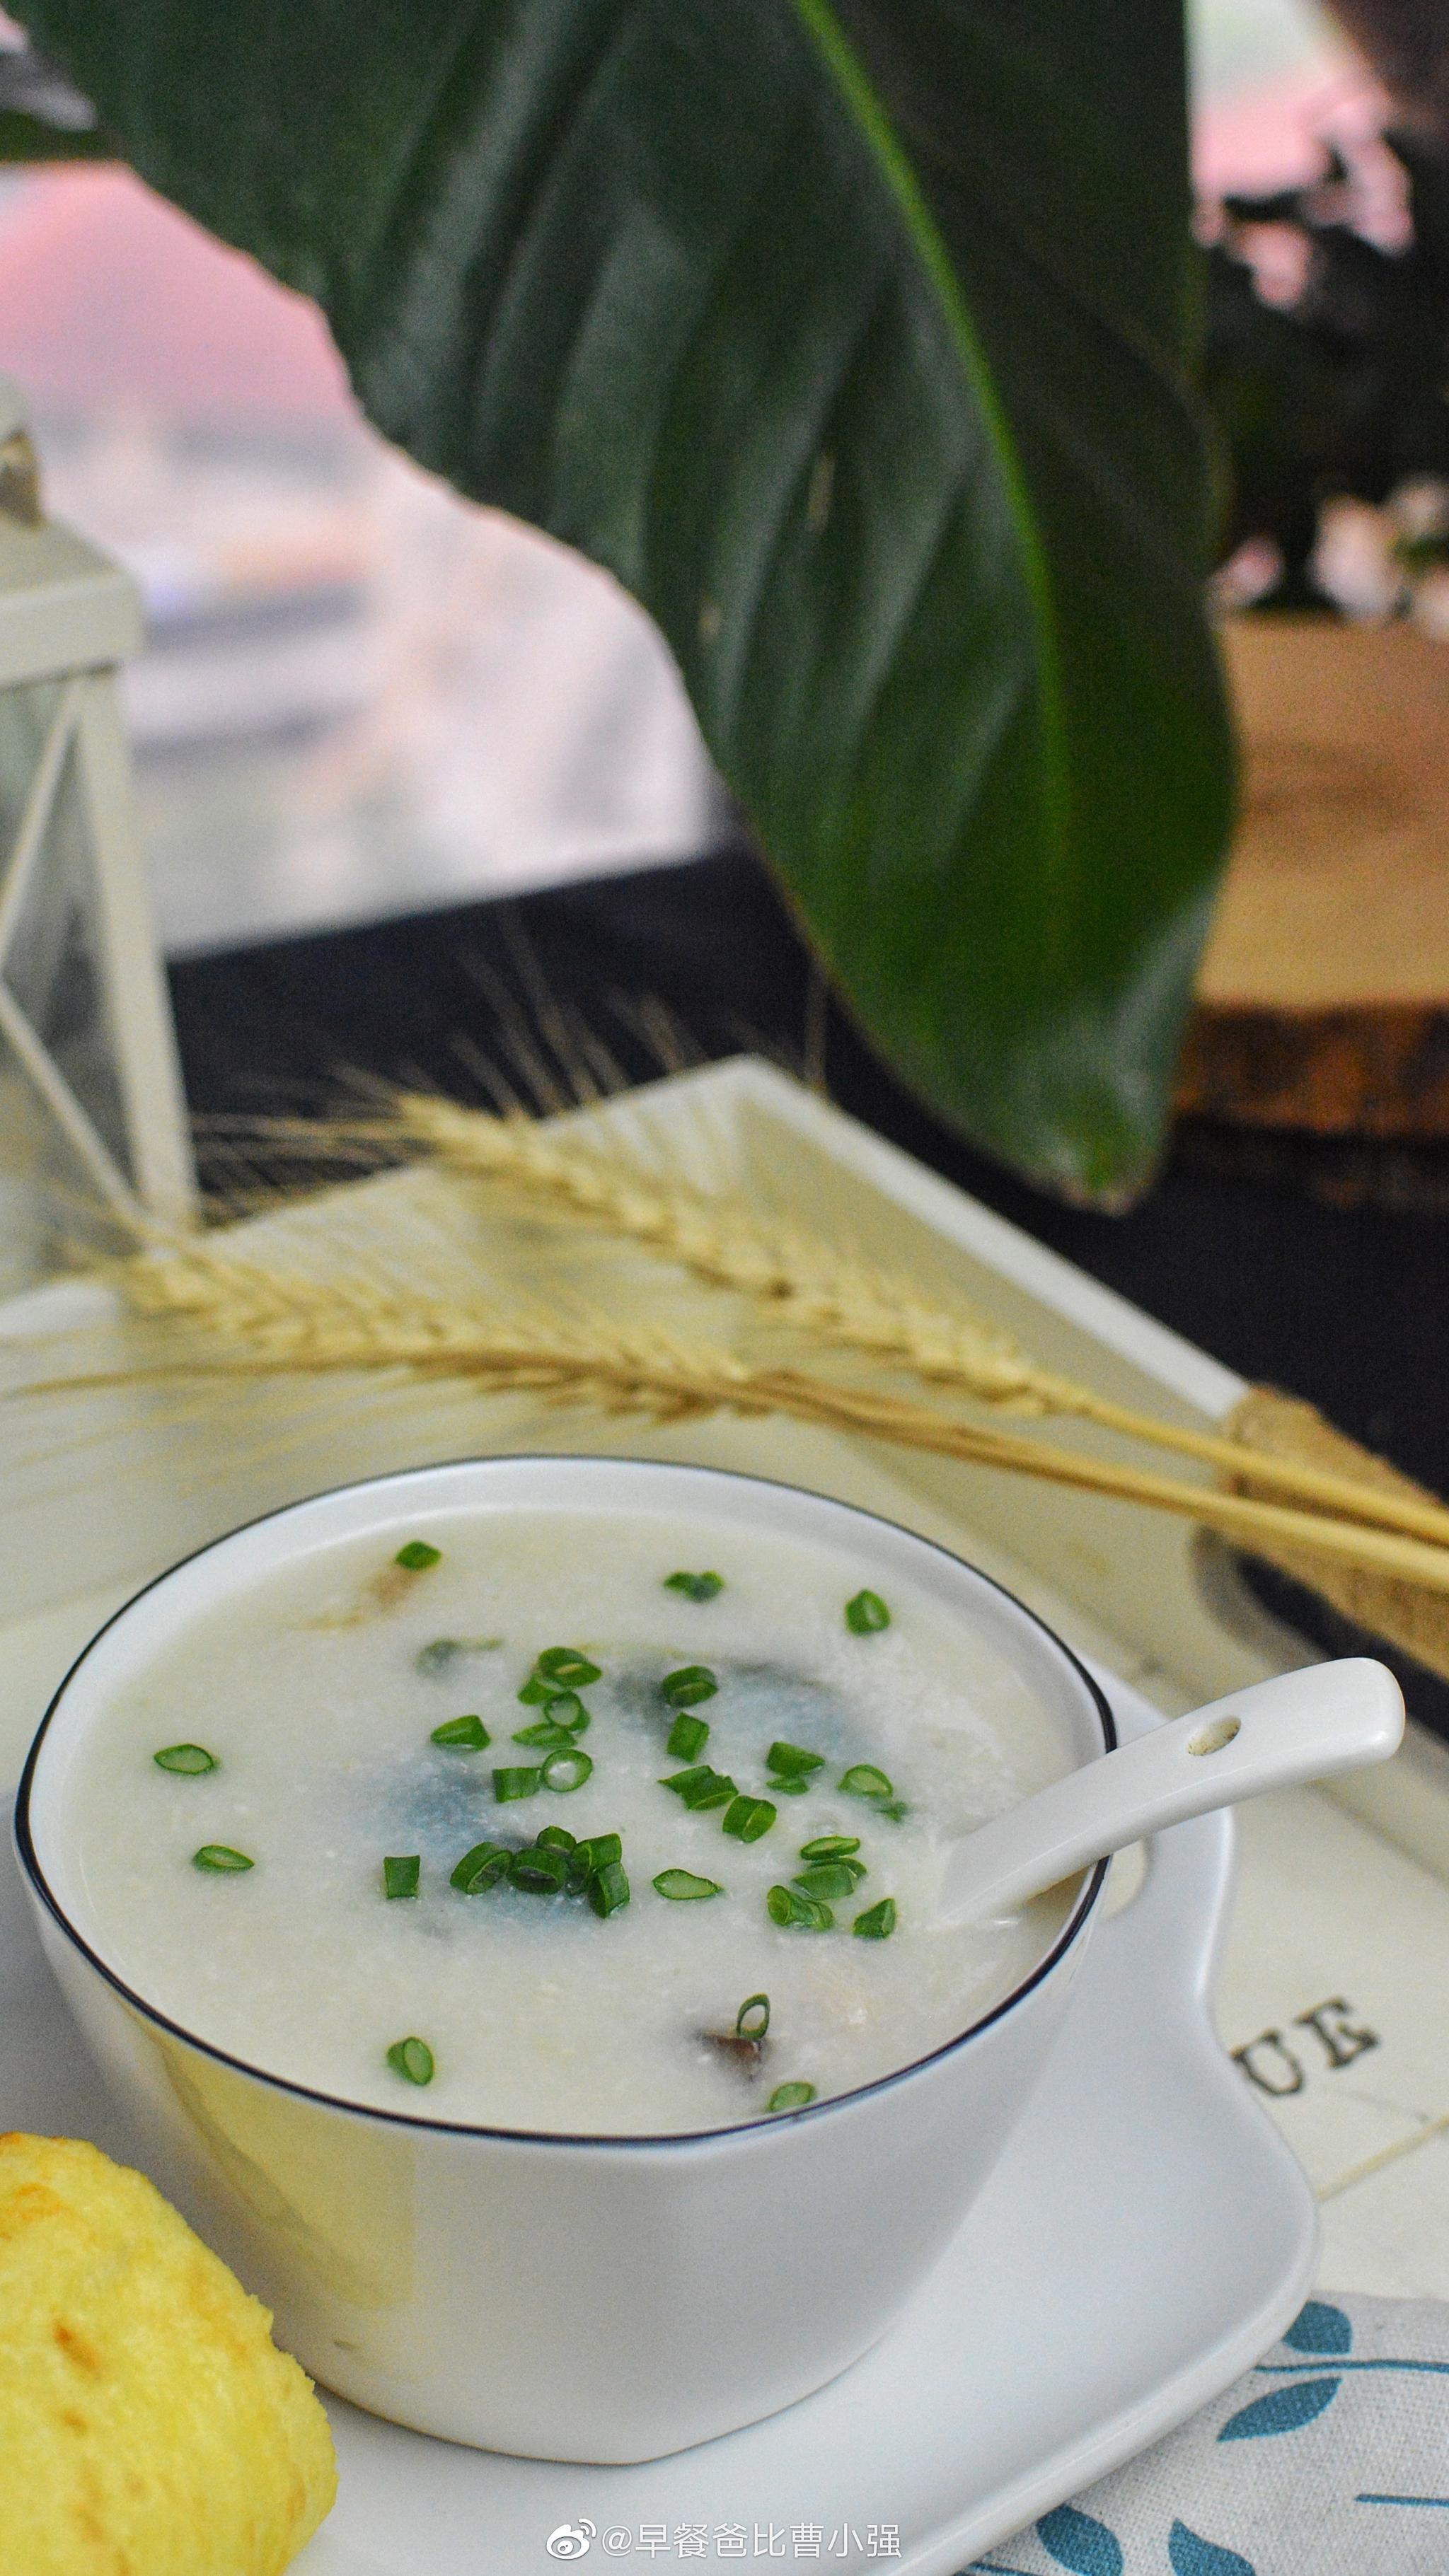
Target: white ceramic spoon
[[1300, 1726]]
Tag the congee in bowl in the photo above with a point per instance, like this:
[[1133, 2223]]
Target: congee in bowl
[[622, 1823]]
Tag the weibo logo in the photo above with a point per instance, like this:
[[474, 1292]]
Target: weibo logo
[[571, 2540]]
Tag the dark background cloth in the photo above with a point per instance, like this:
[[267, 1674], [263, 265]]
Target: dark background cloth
[[1343, 1304]]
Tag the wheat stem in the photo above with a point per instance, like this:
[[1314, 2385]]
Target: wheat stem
[[807, 1284], [263, 1322]]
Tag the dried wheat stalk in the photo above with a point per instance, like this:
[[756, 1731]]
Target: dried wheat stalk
[[808, 1284], [254, 1320]]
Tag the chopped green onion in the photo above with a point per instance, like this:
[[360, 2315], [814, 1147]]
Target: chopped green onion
[[221, 1858], [515, 1780], [189, 1759], [482, 1868], [846, 1871], [789, 1788], [691, 1684], [702, 1787], [445, 1651], [560, 1707], [787, 1906], [716, 1789], [608, 1889], [598, 1852], [566, 1668], [688, 1737], [792, 1761], [683, 1782], [790, 2097], [878, 1922], [565, 1771], [543, 1871], [683, 1888], [895, 1808], [557, 1838], [827, 1878], [412, 2059], [400, 1877], [863, 1780], [753, 2018], [830, 1847], [417, 1556], [866, 1615], [544, 1732], [748, 1818], [695, 1587], [464, 1734]]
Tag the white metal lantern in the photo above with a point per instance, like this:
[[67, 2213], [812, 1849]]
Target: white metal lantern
[[91, 1104]]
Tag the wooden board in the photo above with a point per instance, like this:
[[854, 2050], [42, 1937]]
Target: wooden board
[[1323, 1000]]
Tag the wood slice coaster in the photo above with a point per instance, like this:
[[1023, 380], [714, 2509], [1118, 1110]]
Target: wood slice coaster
[[1323, 1000]]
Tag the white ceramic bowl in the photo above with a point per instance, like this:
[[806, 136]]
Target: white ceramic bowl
[[571, 2298]]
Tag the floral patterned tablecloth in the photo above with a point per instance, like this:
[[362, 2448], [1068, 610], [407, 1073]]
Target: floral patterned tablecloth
[[1330, 2458]]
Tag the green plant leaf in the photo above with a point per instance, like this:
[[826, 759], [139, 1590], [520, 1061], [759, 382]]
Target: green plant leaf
[[27, 138], [852, 341]]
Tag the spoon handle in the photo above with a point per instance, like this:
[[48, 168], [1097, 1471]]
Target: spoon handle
[[1299, 1726]]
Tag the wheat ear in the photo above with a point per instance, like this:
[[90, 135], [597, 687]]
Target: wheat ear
[[263, 1322], [808, 1284]]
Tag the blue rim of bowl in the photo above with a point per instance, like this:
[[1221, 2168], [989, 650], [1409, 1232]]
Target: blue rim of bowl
[[765, 2124]]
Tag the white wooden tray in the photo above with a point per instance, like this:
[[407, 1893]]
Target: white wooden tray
[[1336, 1982]]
